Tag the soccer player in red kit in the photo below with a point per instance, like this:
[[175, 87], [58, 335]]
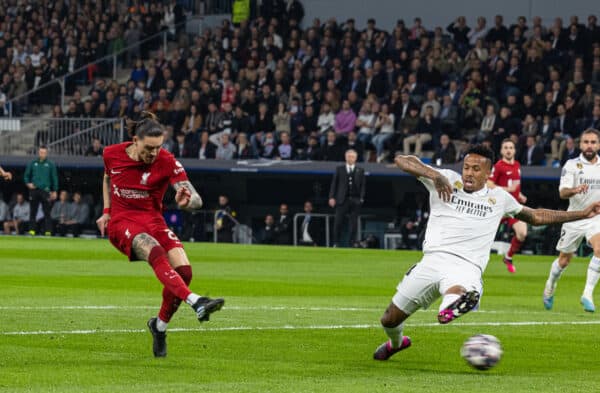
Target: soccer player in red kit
[[136, 176], [507, 174]]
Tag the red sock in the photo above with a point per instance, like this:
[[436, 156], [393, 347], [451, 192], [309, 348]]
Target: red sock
[[166, 275], [515, 246], [170, 302]]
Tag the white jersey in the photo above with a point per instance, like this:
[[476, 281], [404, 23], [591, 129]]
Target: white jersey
[[580, 171], [466, 225]]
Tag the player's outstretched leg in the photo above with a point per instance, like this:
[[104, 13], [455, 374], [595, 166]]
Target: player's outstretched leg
[[159, 339], [205, 306], [465, 303]]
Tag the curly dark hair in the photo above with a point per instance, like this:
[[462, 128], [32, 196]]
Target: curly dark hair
[[147, 125], [482, 150]]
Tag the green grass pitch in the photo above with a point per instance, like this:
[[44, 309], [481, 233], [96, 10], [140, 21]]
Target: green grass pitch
[[295, 320]]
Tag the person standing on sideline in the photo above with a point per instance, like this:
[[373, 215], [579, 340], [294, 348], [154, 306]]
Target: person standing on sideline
[[580, 184], [464, 218], [506, 173], [136, 176], [5, 175], [346, 195], [41, 179]]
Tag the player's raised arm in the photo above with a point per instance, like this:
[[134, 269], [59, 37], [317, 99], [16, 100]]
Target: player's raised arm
[[414, 166], [547, 216], [186, 196]]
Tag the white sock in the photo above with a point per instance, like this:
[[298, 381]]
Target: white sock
[[395, 335], [593, 274], [448, 299], [161, 325], [555, 273], [192, 298]]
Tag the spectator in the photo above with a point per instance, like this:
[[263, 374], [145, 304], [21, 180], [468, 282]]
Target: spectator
[[571, 151], [532, 154], [60, 213], [224, 221], [345, 119], [384, 126], [365, 123], [426, 128], [283, 226], [309, 233], [41, 179], [285, 150], [95, 149], [207, 149], [267, 234], [225, 149], [446, 151], [19, 216]]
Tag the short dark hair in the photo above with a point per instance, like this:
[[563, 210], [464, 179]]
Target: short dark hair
[[147, 125], [592, 131], [482, 150]]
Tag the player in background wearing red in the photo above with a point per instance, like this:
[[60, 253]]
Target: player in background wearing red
[[507, 174], [136, 176]]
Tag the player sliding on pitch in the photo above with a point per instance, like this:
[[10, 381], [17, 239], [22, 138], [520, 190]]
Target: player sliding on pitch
[[136, 176], [464, 218]]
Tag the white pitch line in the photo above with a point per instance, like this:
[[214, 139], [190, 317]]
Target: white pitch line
[[243, 308], [290, 327]]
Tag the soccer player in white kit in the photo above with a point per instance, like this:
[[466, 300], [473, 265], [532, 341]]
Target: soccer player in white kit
[[463, 221], [580, 184]]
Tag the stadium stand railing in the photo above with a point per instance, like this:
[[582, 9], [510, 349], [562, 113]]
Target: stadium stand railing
[[16, 105], [65, 136]]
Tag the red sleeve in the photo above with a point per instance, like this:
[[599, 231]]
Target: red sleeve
[[106, 158], [176, 170], [496, 170]]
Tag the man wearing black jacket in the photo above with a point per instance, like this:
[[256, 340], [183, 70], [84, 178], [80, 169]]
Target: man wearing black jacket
[[346, 195]]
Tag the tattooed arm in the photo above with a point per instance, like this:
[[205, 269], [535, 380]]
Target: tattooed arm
[[547, 216], [414, 166], [142, 245], [187, 197]]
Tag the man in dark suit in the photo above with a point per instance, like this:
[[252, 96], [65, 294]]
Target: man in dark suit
[[346, 194], [532, 154], [310, 230], [283, 226]]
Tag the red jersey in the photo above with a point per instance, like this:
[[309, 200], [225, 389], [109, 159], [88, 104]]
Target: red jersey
[[506, 175], [137, 187]]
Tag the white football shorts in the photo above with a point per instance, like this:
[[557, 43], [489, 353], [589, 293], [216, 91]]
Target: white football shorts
[[432, 277], [572, 233]]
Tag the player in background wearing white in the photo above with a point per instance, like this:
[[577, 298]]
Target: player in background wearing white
[[464, 218], [580, 184], [506, 173]]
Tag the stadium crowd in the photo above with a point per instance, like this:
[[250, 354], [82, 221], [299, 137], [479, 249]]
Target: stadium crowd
[[45, 39], [269, 89]]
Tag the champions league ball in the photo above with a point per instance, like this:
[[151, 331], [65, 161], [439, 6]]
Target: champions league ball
[[482, 351]]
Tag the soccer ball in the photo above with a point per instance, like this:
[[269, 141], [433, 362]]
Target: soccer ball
[[482, 351]]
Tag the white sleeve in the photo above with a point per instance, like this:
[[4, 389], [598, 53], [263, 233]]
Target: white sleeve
[[511, 206], [567, 176]]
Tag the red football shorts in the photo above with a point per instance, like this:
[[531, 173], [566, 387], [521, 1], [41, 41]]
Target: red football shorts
[[122, 231], [510, 221]]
